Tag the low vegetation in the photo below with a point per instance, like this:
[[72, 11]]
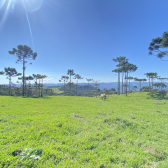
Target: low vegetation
[[64, 131]]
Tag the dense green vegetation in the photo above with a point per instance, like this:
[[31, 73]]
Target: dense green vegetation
[[47, 91], [64, 131]]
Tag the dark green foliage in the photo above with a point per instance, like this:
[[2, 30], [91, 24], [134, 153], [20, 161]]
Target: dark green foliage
[[140, 80], [145, 89], [1, 72], [162, 79], [158, 94], [4, 90], [160, 85], [109, 91], [151, 76], [82, 89], [10, 72], [27, 85], [134, 88], [158, 45]]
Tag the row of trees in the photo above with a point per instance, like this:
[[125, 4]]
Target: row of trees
[[124, 67], [67, 79], [27, 88], [24, 54]]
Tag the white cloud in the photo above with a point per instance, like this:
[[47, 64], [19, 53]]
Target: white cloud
[[48, 79]]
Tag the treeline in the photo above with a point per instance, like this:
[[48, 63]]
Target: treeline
[[124, 68], [30, 90]]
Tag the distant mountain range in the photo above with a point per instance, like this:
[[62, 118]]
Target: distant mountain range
[[111, 85], [106, 85]]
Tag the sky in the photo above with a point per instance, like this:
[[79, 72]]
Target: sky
[[83, 35]]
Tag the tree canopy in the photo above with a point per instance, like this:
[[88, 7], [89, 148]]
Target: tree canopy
[[158, 45]]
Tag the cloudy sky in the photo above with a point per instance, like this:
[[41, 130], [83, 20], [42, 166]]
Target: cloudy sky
[[84, 35]]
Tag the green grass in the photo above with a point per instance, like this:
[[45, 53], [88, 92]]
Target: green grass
[[84, 132], [57, 90]]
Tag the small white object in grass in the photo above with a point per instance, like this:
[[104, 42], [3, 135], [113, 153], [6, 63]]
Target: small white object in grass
[[35, 157]]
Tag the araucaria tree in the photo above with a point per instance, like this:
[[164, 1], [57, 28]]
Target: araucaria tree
[[23, 53], [10, 72], [35, 77], [120, 59], [127, 68], [151, 76], [77, 77], [41, 85], [27, 78], [162, 79], [130, 78], [159, 85], [158, 45], [89, 80], [96, 86], [140, 80], [70, 73], [64, 79], [118, 70]]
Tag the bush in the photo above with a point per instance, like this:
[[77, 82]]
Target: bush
[[158, 94], [145, 89]]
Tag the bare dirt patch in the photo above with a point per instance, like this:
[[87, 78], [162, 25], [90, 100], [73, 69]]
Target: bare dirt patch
[[76, 116], [156, 103], [157, 111], [153, 151]]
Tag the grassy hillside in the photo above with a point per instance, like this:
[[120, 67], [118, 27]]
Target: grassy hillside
[[84, 132]]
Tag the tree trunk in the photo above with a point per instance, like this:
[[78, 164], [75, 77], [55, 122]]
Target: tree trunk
[[36, 86], [42, 89], [9, 85], [126, 83], [129, 84], [23, 75], [122, 81], [118, 83], [64, 87], [39, 87], [25, 88], [149, 84], [76, 87], [70, 86]]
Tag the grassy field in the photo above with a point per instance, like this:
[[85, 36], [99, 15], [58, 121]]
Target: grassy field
[[84, 132]]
